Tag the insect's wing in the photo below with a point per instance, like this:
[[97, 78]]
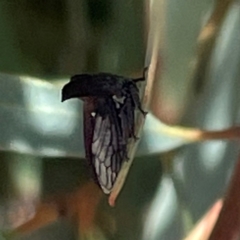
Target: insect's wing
[[106, 132]]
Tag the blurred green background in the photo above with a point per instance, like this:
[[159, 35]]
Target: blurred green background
[[171, 183], [60, 38]]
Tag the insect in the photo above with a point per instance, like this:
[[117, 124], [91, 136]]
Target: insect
[[109, 103]]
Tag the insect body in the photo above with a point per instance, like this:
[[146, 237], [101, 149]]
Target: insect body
[[109, 105]]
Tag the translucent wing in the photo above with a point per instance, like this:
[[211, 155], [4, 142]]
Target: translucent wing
[[107, 132]]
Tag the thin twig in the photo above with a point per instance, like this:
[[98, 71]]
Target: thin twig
[[195, 135], [153, 48], [203, 229], [207, 41]]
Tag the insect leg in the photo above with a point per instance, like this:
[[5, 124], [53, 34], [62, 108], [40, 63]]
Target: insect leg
[[143, 78], [135, 97], [128, 117]]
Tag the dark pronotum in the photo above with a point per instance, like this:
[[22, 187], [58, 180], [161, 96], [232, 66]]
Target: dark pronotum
[[109, 105]]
